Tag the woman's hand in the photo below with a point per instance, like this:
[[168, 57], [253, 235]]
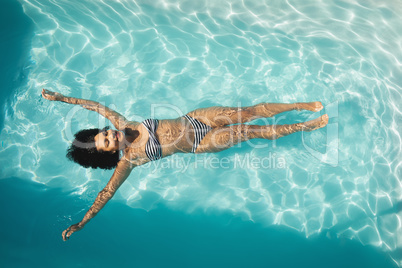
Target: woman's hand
[[50, 95], [70, 230]]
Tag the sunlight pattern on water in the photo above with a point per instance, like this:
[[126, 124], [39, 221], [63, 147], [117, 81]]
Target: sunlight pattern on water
[[171, 57]]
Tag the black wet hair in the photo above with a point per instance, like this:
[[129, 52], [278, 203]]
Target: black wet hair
[[83, 151]]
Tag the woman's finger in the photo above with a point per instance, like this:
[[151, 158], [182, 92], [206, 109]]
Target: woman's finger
[[63, 235]]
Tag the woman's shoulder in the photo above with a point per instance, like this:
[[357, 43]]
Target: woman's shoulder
[[132, 124]]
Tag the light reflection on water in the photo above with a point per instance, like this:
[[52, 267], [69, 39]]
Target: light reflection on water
[[133, 56]]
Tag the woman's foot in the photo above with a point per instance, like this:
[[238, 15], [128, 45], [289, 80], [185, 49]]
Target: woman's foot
[[310, 106], [317, 123]]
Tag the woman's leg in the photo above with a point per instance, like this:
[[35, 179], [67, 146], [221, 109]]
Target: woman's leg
[[220, 139], [222, 116]]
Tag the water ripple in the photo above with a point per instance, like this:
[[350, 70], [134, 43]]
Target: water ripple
[[189, 54]]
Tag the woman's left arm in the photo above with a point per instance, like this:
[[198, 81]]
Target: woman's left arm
[[118, 120], [120, 174]]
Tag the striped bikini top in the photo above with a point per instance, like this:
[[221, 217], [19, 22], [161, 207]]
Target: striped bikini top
[[153, 147]]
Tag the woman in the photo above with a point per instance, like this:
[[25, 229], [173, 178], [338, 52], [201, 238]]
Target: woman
[[200, 131]]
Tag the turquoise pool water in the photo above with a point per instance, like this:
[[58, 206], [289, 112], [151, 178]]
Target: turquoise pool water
[[330, 198]]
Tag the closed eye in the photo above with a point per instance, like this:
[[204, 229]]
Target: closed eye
[[106, 142]]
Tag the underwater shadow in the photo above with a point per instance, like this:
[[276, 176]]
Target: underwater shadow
[[35, 216], [16, 31]]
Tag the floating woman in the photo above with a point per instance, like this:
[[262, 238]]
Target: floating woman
[[133, 144]]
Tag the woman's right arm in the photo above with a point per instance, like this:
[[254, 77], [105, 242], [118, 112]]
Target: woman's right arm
[[118, 120], [120, 174]]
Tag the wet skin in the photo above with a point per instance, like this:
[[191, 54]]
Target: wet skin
[[177, 136]]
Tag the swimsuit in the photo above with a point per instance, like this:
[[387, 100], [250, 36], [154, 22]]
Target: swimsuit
[[200, 130], [153, 147]]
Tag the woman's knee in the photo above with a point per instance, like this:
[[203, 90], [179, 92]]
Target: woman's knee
[[232, 135]]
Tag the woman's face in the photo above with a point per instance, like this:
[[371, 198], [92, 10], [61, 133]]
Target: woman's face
[[109, 141]]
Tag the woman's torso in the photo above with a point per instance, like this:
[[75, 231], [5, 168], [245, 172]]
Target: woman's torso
[[174, 135]]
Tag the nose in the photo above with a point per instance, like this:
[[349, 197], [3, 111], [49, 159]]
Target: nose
[[111, 134]]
